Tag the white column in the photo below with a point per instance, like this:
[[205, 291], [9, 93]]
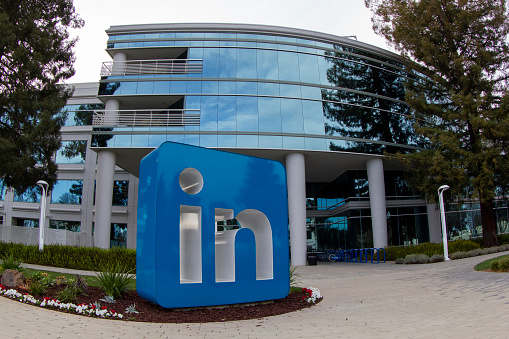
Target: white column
[[103, 198], [375, 168], [296, 182], [118, 67], [111, 112], [434, 226]]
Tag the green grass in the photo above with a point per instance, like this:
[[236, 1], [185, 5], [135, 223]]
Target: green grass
[[485, 265]]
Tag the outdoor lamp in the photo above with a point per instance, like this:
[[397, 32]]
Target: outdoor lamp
[[441, 190], [44, 186]]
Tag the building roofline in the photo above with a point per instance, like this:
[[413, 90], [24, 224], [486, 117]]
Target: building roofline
[[251, 28]]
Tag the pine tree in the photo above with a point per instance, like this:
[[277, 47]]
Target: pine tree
[[35, 58], [459, 96]]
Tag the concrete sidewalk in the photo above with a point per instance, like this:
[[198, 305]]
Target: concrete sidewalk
[[443, 300]]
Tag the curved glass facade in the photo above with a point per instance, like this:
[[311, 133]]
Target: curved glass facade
[[263, 90]]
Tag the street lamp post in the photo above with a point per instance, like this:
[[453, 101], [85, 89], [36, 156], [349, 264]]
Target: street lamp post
[[44, 186], [441, 190]]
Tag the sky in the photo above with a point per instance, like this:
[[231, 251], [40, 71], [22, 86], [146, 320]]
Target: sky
[[338, 17]]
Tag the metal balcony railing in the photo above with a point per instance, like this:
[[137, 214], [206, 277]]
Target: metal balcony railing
[[146, 118], [145, 67]]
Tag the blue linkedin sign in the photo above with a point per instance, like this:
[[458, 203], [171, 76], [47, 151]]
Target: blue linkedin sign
[[184, 258]]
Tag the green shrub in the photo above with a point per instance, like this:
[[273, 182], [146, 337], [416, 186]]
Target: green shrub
[[399, 261], [417, 259], [458, 255], [114, 278], [81, 258], [462, 246], [437, 258], [10, 262], [503, 265], [69, 294], [294, 277], [494, 266]]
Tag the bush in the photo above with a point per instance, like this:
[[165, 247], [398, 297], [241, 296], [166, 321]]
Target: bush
[[114, 279], [417, 259], [81, 258], [10, 262], [399, 261], [437, 258], [462, 246], [494, 266], [458, 255]]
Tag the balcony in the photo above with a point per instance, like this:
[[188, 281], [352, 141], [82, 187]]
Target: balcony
[[152, 67], [146, 118]]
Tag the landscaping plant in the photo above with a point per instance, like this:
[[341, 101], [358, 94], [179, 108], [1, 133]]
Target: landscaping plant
[[114, 279]]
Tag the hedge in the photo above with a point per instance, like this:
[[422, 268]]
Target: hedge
[[80, 258]]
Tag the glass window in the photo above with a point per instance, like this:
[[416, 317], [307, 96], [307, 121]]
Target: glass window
[[73, 226], [226, 117], [32, 194], [266, 64], [2, 189], [120, 192], [129, 87], [290, 91], [227, 63], [308, 68], [72, 152], [291, 116], [288, 66], [118, 235], [32, 223], [312, 112], [247, 112], [211, 62], [246, 63], [269, 114], [208, 113], [145, 87], [247, 88], [67, 192]]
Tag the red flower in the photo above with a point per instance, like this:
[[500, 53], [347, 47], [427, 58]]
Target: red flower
[[104, 308]]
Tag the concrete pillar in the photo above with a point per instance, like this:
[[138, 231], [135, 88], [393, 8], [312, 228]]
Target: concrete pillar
[[118, 67], [296, 182], [375, 168], [103, 198], [111, 113], [434, 225]]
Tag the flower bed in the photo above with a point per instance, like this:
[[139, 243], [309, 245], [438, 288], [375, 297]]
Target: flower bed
[[89, 304]]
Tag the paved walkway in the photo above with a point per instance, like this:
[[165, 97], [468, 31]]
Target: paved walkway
[[443, 300]]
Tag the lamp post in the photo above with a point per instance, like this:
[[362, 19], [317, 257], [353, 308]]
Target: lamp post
[[441, 190], [44, 186]]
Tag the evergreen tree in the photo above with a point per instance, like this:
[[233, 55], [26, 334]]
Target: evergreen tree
[[35, 56], [459, 98]]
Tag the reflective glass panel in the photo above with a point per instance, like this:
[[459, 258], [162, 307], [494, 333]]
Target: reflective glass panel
[[247, 112], [269, 114], [72, 226], [31, 194], [72, 152], [266, 64], [288, 66], [120, 192], [67, 192], [226, 113], [227, 63], [291, 116]]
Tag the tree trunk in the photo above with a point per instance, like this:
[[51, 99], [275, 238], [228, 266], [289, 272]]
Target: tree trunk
[[489, 225]]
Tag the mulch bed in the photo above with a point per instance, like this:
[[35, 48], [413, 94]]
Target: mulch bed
[[149, 312]]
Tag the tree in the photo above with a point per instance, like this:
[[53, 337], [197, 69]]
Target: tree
[[35, 58], [459, 97]]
